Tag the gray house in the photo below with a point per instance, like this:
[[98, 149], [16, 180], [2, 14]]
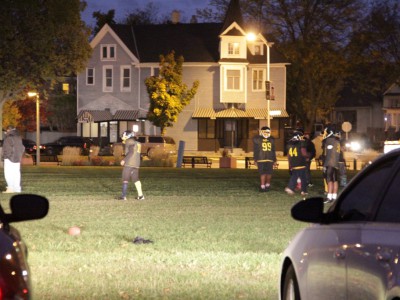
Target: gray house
[[234, 72], [391, 109], [364, 112]]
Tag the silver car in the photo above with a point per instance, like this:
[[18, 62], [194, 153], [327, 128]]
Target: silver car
[[351, 251]]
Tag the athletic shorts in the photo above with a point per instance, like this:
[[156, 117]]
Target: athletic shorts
[[265, 167], [332, 174], [130, 173]]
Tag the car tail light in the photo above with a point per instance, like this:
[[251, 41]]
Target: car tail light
[[1, 293], [84, 145]]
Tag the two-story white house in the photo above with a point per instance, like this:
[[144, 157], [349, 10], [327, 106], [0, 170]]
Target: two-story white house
[[230, 105]]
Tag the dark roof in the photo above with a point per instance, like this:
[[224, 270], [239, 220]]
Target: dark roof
[[233, 14], [196, 42]]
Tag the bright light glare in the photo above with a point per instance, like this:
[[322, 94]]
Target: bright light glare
[[275, 112], [32, 94], [251, 36], [355, 146]]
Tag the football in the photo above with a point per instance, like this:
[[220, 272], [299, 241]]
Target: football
[[75, 230]]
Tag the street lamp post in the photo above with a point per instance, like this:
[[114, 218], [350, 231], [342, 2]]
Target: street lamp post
[[34, 94], [268, 85], [252, 37]]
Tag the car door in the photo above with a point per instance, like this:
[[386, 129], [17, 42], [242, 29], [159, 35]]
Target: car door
[[371, 250], [326, 269]]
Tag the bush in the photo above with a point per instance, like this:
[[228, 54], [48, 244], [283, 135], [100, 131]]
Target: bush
[[96, 161], [94, 151], [118, 151], [72, 157], [159, 161]]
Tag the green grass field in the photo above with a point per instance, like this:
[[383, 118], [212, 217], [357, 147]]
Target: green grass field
[[215, 236]]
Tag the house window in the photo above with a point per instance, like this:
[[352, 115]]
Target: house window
[[89, 76], [108, 52], [103, 129], [258, 79], [65, 88], [155, 72], [206, 129], [257, 50], [233, 80], [125, 79], [234, 48], [107, 79]]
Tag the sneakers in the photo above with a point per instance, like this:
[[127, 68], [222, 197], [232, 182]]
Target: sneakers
[[310, 185], [9, 191], [304, 193], [289, 191], [140, 198], [121, 198], [327, 201]]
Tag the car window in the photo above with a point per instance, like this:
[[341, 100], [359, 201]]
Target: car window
[[358, 203], [389, 211], [141, 139], [156, 139]]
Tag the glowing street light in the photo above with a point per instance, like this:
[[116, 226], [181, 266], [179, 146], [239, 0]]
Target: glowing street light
[[35, 94]]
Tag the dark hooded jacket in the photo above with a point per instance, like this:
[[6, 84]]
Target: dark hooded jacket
[[13, 149]]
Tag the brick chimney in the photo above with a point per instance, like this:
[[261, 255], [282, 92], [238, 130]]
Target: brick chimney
[[175, 17]]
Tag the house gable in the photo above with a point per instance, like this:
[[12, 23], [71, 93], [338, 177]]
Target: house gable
[[106, 29]]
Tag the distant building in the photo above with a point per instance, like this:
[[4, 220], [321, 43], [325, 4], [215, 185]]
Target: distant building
[[230, 105], [391, 109]]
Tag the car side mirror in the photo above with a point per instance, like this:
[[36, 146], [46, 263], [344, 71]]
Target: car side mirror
[[25, 207], [310, 210]]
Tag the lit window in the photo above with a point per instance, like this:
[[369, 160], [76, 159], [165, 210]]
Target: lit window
[[89, 76], [108, 52], [234, 48], [233, 79], [65, 88]]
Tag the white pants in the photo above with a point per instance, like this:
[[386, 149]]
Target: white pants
[[12, 174]]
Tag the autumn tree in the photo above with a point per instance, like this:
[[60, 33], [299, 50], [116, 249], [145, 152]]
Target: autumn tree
[[40, 40], [167, 92], [12, 115]]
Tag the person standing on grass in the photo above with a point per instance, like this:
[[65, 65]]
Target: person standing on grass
[[297, 159], [264, 157], [13, 149], [131, 164], [332, 149], [310, 148]]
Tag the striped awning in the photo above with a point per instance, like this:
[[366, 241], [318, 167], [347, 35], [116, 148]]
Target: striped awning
[[88, 116], [231, 113], [126, 115], [204, 113], [235, 113]]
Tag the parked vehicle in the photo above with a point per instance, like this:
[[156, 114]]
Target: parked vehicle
[[30, 146], [352, 250], [56, 147], [14, 270], [153, 145]]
